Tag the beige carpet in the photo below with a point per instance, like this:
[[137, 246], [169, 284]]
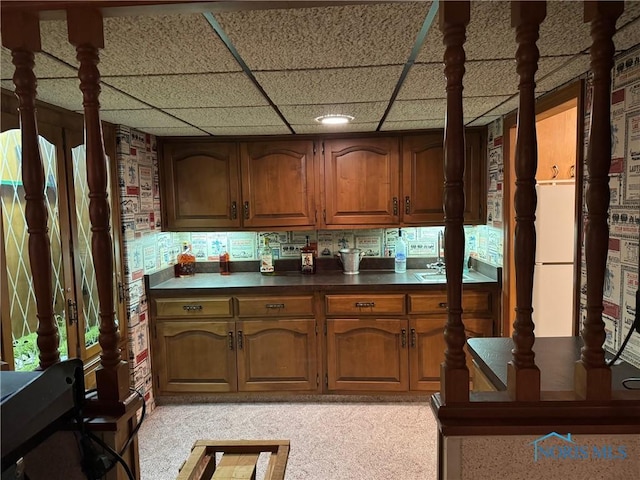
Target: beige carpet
[[329, 441]]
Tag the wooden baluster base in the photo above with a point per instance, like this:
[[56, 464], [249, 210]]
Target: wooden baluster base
[[454, 384], [588, 382], [519, 381]]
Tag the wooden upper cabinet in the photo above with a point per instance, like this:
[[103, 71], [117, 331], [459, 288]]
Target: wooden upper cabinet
[[278, 183], [202, 182], [557, 134], [361, 179], [423, 178]]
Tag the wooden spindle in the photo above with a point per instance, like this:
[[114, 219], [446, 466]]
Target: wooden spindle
[[592, 376], [85, 28], [454, 374], [21, 34], [523, 376]]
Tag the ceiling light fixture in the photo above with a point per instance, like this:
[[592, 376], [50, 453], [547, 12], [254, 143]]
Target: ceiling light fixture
[[334, 119]]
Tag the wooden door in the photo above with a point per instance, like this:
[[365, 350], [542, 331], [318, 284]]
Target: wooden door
[[278, 187], [426, 352], [423, 178], [202, 186], [367, 355], [361, 178], [277, 355], [194, 356]]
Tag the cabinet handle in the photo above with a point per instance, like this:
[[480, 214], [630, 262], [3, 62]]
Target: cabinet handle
[[413, 338], [395, 205], [442, 305], [234, 210], [274, 305], [365, 304], [407, 204], [403, 336], [191, 308], [556, 171], [572, 171], [240, 343], [230, 340], [246, 210]]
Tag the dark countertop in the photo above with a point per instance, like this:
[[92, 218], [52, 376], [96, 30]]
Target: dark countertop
[[555, 357], [325, 281]]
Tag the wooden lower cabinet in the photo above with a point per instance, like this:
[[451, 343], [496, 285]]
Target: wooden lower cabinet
[[195, 356], [277, 355], [367, 355]]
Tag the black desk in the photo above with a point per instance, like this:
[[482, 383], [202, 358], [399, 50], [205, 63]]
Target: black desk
[[555, 357]]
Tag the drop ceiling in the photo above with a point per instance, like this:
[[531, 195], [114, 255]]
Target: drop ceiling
[[174, 75]]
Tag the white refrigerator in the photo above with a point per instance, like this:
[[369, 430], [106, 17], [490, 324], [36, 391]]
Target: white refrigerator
[[553, 279]]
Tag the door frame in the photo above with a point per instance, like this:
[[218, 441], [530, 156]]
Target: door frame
[[546, 106]]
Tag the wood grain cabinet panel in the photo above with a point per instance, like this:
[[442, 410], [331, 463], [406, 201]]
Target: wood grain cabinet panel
[[195, 356], [426, 352], [367, 355], [436, 302], [272, 306], [361, 179], [278, 188], [277, 355], [362, 304], [202, 185], [423, 178], [194, 307]]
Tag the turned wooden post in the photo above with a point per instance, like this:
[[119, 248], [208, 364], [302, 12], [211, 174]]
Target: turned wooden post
[[523, 376], [592, 376], [21, 34], [454, 374], [86, 34]]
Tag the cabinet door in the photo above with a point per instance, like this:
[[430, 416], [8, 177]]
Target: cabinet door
[[277, 355], [195, 356], [367, 355], [427, 346], [362, 181], [426, 352], [278, 184], [202, 186], [423, 178]]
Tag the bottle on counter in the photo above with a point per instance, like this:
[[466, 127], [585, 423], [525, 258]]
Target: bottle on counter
[[224, 264], [266, 259], [308, 259], [401, 254], [186, 262]]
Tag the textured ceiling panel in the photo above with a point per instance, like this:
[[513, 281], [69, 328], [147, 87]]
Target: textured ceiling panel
[[175, 132], [628, 36], [351, 127], [191, 91], [416, 124], [424, 81], [569, 71], [506, 107], [264, 130], [65, 93], [483, 121], [45, 67], [227, 117], [141, 118], [324, 37], [436, 108], [133, 45], [306, 114], [305, 87]]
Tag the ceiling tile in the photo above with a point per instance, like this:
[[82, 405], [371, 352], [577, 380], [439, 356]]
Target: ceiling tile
[[413, 124], [351, 127], [574, 67], [628, 36], [505, 107], [227, 117], [45, 67], [257, 130], [191, 91], [349, 85], [436, 108], [486, 120], [175, 132], [133, 45], [324, 37], [424, 81], [147, 118], [65, 93], [306, 114]]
